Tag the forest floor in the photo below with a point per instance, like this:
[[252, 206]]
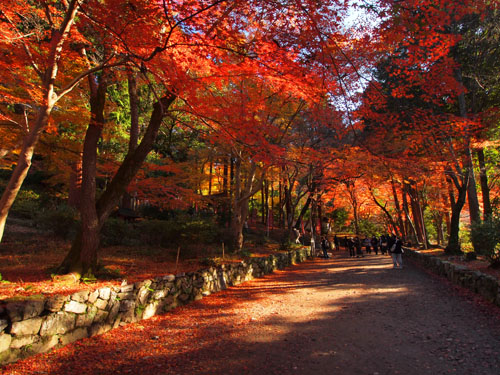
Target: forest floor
[[29, 258], [328, 316]]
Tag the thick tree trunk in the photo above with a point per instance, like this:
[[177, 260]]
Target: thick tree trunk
[[417, 214], [115, 189], [75, 185], [485, 189], [406, 210], [90, 226], [398, 209]]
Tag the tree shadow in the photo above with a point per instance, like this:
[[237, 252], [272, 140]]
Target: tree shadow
[[369, 319]]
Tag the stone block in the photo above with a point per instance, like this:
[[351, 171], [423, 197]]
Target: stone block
[[143, 284], [33, 308], [104, 293], [58, 323], [128, 316], [169, 278], [73, 336], [113, 312], [75, 307], [45, 344], [26, 327], [101, 304], [15, 310], [5, 341], [81, 297], [55, 303], [159, 294], [143, 294], [128, 288], [9, 356], [3, 324], [126, 296], [150, 310], [93, 296], [127, 305], [100, 317], [20, 341], [86, 320]]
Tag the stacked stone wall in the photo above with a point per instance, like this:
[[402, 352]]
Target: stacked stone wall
[[37, 324], [480, 283]]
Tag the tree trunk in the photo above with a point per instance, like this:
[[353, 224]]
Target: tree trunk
[[453, 246], [134, 111], [75, 184], [485, 189], [23, 165], [398, 210], [386, 212], [58, 38], [406, 210], [115, 189], [475, 213], [243, 191], [263, 203], [90, 228]]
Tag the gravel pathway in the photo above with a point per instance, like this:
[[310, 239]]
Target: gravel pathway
[[336, 316]]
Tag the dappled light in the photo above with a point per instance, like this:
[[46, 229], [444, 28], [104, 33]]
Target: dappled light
[[307, 318]]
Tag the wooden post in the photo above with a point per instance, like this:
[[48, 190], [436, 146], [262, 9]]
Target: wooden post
[[177, 260]]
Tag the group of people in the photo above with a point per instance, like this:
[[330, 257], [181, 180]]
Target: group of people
[[386, 244]]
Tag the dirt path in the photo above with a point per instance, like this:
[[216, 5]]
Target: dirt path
[[341, 316]]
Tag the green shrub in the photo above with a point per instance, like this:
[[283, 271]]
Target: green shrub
[[26, 205], [485, 236], [63, 221], [118, 232], [169, 233]]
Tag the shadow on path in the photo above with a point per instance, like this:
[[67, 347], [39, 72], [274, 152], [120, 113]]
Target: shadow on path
[[328, 316]]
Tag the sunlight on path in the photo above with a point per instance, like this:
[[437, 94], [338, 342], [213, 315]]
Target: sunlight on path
[[336, 316]]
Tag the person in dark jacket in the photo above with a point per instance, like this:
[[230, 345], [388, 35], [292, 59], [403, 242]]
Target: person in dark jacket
[[374, 242], [325, 246], [397, 253]]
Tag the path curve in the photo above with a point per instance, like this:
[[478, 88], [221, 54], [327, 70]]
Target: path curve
[[337, 316]]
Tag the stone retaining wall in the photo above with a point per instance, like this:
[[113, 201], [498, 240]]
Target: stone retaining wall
[[37, 324], [480, 283]]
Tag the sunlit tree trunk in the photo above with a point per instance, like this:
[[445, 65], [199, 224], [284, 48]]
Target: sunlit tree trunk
[[58, 38], [457, 204], [485, 189]]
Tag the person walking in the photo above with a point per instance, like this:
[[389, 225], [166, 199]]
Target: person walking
[[374, 242], [325, 246], [397, 253], [359, 249], [350, 246]]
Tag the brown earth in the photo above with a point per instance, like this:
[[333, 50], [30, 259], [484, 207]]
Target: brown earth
[[338, 316], [29, 257]]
